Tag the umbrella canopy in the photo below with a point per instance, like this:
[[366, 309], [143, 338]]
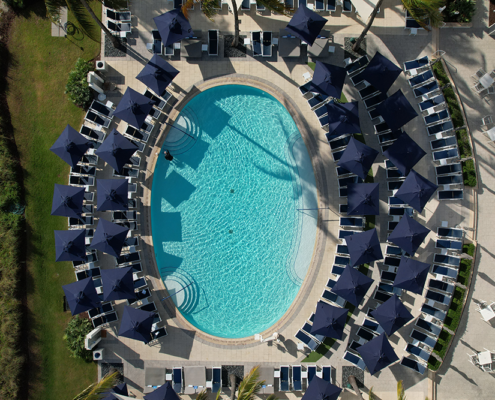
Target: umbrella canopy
[[118, 284], [306, 25], [357, 158], [416, 191], [343, 118], [109, 237], [320, 389], [133, 108], [396, 110], [116, 150], [81, 296], [173, 26], [67, 201], [363, 199], [70, 245], [392, 315], [377, 354], [164, 392], [329, 321], [121, 388], [408, 234], [136, 324], [404, 153], [328, 79], [381, 72], [112, 194], [411, 275], [364, 247], [157, 74], [71, 146], [352, 285]]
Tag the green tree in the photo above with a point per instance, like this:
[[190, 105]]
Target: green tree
[[85, 17], [74, 335], [251, 386], [95, 390]]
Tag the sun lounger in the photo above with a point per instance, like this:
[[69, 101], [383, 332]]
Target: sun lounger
[[345, 233], [327, 373], [131, 225], [307, 328], [338, 270], [387, 276], [105, 319], [122, 28], [431, 103], [81, 221], [446, 154], [341, 260], [412, 23], [456, 194], [82, 170], [341, 172], [436, 117], [421, 78], [312, 371], [375, 100], [355, 345], [357, 65], [88, 273], [341, 248], [284, 378], [177, 379], [388, 137], [435, 312], [246, 5], [343, 210], [453, 233], [297, 378], [394, 185], [358, 78], [372, 326], [441, 286], [129, 257], [442, 143], [429, 327], [351, 222], [448, 169], [381, 127], [92, 134], [387, 288], [213, 42], [413, 364], [445, 271], [78, 180], [331, 5], [340, 143], [456, 179], [97, 119], [317, 101], [367, 92], [381, 296], [343, 182], [103, 309], [394, 174], [418, 352], [438, 297], [395, 201], [306, 340], [304, 89], [415, 64], [333, 298], [440, 128], [394, 251], [141, 294], [178, 4], [267, 44], [425, 89], [88, 160], [423, 338], [354, 359], [256, 43], [121, 16], [124, 215], [347, 6], [447, 260], [126, 173], [101, 109]]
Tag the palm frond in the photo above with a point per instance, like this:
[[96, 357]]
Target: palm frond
[[210, 8], [423, 10], [203, 395], [274, 5], [84, 20], [53, 8], [250, 385], [400, 391], [371, 395], [272, 397], [93, 391], [115, 4]]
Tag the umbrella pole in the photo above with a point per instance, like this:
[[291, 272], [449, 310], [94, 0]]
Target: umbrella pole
[[168, 297], [192, 137]]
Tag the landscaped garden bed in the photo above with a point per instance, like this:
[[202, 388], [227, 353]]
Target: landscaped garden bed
[[459, 11]]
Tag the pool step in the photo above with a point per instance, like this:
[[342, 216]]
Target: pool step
[[184, 137], [176, 279]]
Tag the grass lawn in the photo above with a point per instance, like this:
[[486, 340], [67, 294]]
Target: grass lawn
[[40, 111]]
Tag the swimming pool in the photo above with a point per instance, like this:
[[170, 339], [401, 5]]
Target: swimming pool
[[224, 215]]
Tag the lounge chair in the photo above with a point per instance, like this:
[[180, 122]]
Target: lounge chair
[[381, 296], [375, 100], [284, 378], [319, 5], [356, 65], [256, 43], [456, 194], [260, 7], [341, 260], [381, 128], [343, 182], [105, 319], [331, 5], [82, 170], [101, 109], [449, 180], [449, 169], [307, 328], [127, 173], [81, 221], [137, 134], [88, 273], [343, 210], [387, 276], [141, 294], [350, 222], [441, 127], [347, 6], [418, 352], [119, 27], [103, 309], [97, 119], [387, 288], [431, 103], [421, 78], [216, 382], [372, 326], [304, 89], [333, 298], [434, 312], [345, 233], [453, 233], [267, 44], [341, 248], [354, 359], [394, 250], [317, 101], [131, 225], [415, 64], [136, 267], [394, 185], [413, 364], [342, 172], [140, 283], [297, 378], [368, 91], [312, 372], [445, 271], [443, 143], [358, 78], [306, 340], [88, 160], [157, 334], [129, 257], [395, 201], [445, 155], [213, 42], [178, 4], [121, 16], [246, 5], [92, 134], [177, 379], [327, 373], [447, 260], [429, 327], [423, 338], [426, 89], [336, 155], [436, 117], [394, 174], [340, 143], [124, 215], [438, 297], [444, 244]]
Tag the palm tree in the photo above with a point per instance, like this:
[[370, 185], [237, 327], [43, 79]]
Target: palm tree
[[94, 391], [420, 10], [251, 386], [85, 16], [400, 391]]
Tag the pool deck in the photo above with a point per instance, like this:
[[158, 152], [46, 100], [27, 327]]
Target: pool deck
[[183, 346]]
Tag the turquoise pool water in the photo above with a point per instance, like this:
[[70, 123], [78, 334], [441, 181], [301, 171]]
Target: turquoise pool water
[[225, 223]]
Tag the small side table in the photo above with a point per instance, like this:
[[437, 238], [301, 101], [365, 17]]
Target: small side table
[[276, 374], [247, 41], [102, 96], [168, 377], [98, 355], [204, 47], [331, 49]]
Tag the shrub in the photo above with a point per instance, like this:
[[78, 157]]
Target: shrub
[[460, 11], [433, 363], [74, 335], [469, 173], [463, 143], [77, 87]]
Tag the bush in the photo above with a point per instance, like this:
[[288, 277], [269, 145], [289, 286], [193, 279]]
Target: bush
[[77, 87], [469, 173], [463, 143], [74, 335], [460, 11], [433, 363]]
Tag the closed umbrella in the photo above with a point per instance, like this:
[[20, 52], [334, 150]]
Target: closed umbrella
[[408, 234], [71, 146], [411, 275], [343, 118], [136, 324], [381, 72], [392, 315], [116, 150], [329, 321], [364, 247], [81, 296], [164, 392], [133, 108], [306, 25], [357, 158], [109, 237], [173, 26], [352, 285], [118, 284], [70, 245], [320, 389], [396, 110], [328, 79], [363, 199], [67, 201], [377, 354], [112, 194], [416, 190], [157, 74], [404, 153]]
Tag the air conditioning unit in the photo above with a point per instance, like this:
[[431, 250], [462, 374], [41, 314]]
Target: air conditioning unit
[[101, 66]]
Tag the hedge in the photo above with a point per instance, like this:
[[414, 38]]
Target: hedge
[[77, 87]]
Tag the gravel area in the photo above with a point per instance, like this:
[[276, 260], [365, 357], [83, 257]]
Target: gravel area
[[111, 51], [237, 370], [233, 52], [106, 367], [358, 373], [348, 52]]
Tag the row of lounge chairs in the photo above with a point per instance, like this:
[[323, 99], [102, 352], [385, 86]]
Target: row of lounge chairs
[[191, 46], [261, 43], [297, 379]]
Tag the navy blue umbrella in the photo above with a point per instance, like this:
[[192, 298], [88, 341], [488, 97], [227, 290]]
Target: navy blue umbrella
[[416, 190], [112, 194], [121, 388], [404, 153], [363, 199], [343, 118], [381, 72], [71, 146], [110, 396], [70, 245], [357, 158], [377, 354], [164, 392], [116, 150], [306, 24], [67, 201], [109, 237], [133, 108], [136, 324], [392, 315], [173, 26], [411, 275], [157, 74], [81, 296], [328, 79], [364, 247], [320, 389], [352, 285], [408, 234], [118, 284], [396, 110], [329, 321]]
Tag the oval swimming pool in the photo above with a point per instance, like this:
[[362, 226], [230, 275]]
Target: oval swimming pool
[[230, 243]]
